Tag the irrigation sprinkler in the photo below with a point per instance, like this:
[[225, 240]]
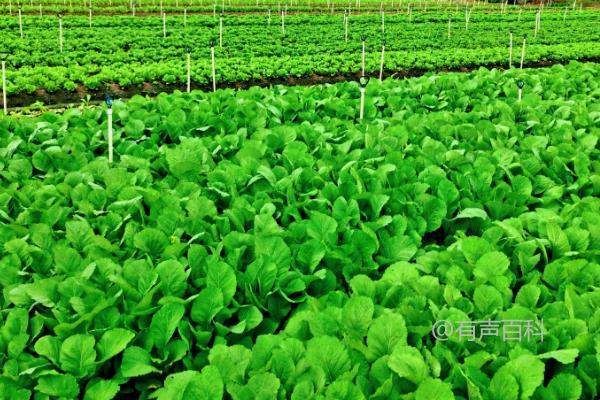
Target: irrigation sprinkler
[[382, 58], [523, 51], [520, 85], [189, 69], [510, 49], [4, 87], [212, 58], [109, 113], [364, 81]]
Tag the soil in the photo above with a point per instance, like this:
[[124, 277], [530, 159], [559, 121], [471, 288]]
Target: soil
[[62, 98]]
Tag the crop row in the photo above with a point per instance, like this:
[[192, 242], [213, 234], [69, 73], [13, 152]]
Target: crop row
[[267, 244], [132, 51]]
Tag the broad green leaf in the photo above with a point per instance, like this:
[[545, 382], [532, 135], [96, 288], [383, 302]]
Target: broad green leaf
[[100, 389], [330, 354], [77, 355], [408, 363], [385, 333], [207, 305], [432, 388], [221, 276], [164, 323], [136, 362], [62, 386], [113, 342]]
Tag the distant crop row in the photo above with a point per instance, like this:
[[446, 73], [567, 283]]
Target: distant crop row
[[131, 51]]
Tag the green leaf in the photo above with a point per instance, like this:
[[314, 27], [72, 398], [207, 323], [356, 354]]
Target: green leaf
[[207, 305], [100, 389], [357, 315], [436, 389], [113, 342], [164, 323], [64, 386], [385, 333], [503, 386], [151, 241], [558, 239], [528, 371], [172, 278], [434, 213], [408, 363], [136, 362], [565, 356], [221, 276], [330, 354], [491, 265], [49, 347], [472, 213], [565, 386], [77, 355]]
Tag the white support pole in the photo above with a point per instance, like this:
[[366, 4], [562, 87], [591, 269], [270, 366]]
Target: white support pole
[[4, 87], [282, 22], [449, 26], [382, 59], [363, 57], [189, 72], [382, 22], [133, 10], [510, 49], [220, 31], [164, 21], [185, 17], [362, 102], [520, 94], [110, 135], [20, 23], [214, 75], [90, 17], [269, 20], [41, 9], [345, 26], [523, 52], [60, 34]]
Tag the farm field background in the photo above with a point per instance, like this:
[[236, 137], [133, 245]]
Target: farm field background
[[300, 241]]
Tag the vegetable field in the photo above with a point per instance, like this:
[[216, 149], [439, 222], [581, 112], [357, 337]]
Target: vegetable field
[[434, 235]]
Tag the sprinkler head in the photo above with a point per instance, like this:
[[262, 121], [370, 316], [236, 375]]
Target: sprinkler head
[[364, 81]]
